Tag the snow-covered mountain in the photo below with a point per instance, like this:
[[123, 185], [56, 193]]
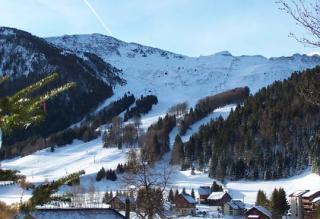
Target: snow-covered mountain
[[27, 58], [175, 78]]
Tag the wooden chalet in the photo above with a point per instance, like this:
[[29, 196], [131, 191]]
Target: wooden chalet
[[258, 212], [219, 199], [119, 202], [234, 208], [204, 192], [184, 205]]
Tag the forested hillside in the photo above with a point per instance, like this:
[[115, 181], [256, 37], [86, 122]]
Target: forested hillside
[[272, 136], [26, 58]]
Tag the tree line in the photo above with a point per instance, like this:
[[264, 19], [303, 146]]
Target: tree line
[[273, 135], [143, 106], [208, 104]]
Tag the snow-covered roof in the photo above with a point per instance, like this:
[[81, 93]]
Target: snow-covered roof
[[217, 195], [298, 193], [236, 204], [189, 198], [123, 198], [204, 190], [262, 210], [315, 200], [76, 213], [309, 193]]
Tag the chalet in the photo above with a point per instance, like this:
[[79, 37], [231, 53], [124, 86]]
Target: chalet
[[304, 204], [119, 202], [185, 205], [219, 199], [309, 203], [204, 192], [296, 206], [258, 212], [234, 208]]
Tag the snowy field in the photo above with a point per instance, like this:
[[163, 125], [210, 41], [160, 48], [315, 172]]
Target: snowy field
[[91, 156]]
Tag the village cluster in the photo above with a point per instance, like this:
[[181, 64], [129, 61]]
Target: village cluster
[[209, 203]]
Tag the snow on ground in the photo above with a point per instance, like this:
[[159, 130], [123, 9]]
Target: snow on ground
[[12, 194], [90, 156], [223, 111]]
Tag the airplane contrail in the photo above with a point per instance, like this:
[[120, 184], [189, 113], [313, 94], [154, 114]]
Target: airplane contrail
[[98, 17]]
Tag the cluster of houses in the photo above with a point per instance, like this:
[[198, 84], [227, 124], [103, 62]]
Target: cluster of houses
[[222, 201]]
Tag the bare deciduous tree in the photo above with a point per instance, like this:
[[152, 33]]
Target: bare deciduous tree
[[178, 109], [149, 183], [306, 13]]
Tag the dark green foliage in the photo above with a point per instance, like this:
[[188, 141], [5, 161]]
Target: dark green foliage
[[262, 199], [215, 187], [86, 131], [176, 193], [143, 106], [101, 174], [10, 175], [171, 196], [210, 103], [42, 194], [272, 136], [192, 194], [66, 109], [156, 141], [111, 175], [184, 191], [120, 169], [177, 154]]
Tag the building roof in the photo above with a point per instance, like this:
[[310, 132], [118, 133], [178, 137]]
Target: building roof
[[236, 204], [122, 198], [217, 195], [309, 193], [316, 200], [92, 213], [263, 210], [298, 193], [204, 190], [189, 198]]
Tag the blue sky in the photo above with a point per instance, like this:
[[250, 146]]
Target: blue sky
[[189, 27]]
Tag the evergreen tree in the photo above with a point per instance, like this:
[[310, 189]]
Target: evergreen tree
[[171, 196], [192, 194], [177, 154], [176, 193], [275, 204], [262, 199], [184, 191], [283, 203], [24, 108], [215, 187], [101, 174]]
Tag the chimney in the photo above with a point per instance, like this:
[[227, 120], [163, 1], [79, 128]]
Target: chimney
[[127, 216]]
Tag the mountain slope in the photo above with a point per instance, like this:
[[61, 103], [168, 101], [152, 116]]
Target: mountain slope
[[27, 58], [165, 74]]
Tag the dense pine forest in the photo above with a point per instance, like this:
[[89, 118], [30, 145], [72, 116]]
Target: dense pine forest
[[273, 135]]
